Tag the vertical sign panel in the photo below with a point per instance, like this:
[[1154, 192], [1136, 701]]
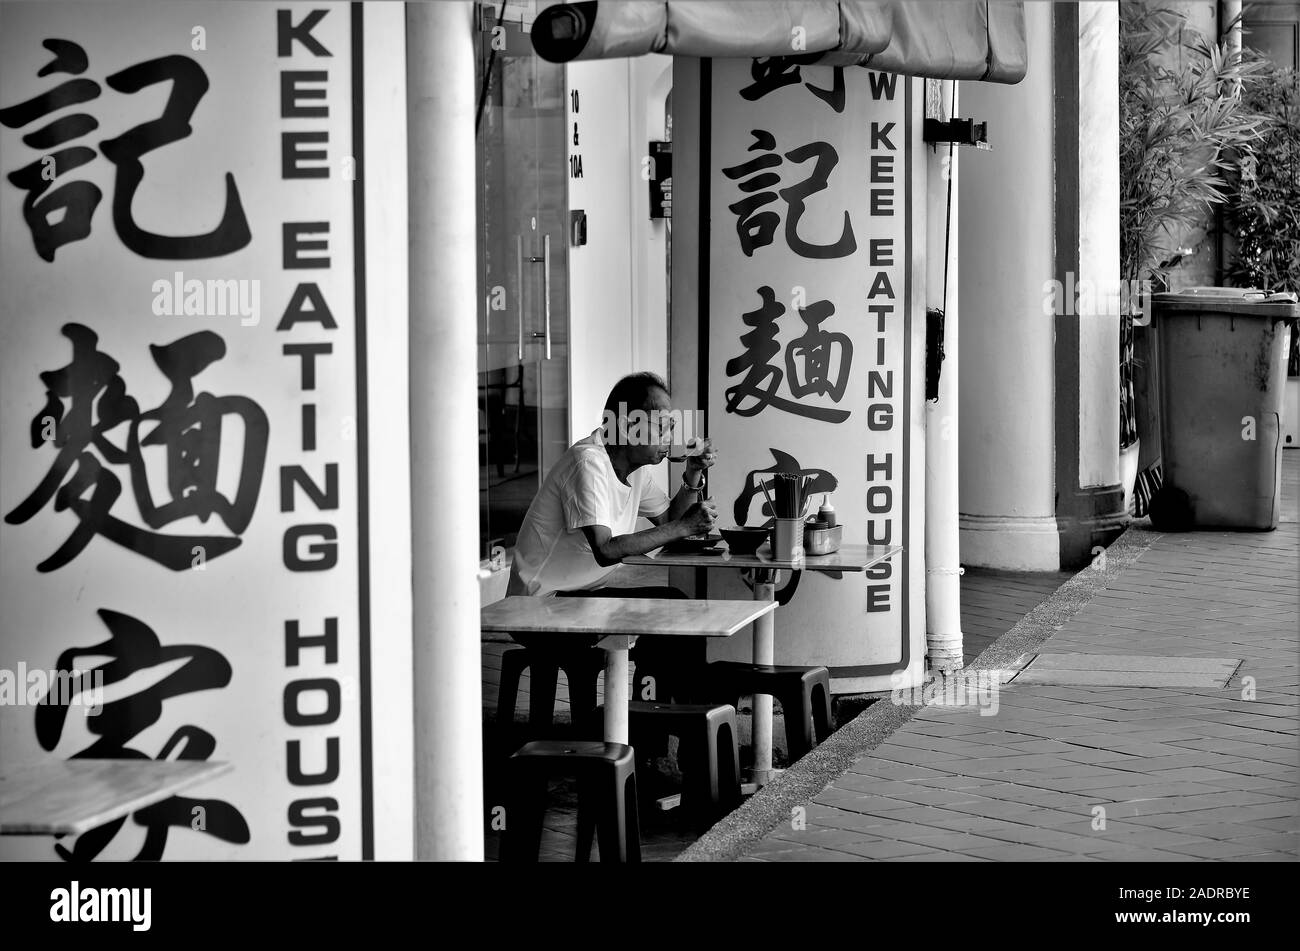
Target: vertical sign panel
[[809, 353], [184, 417]]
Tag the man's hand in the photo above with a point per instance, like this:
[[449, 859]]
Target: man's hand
[[704, 458], [699, 518], [695, 476], [609, 549]]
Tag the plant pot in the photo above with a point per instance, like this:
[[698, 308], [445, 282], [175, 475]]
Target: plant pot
[[1128, 472], [1291, 414]]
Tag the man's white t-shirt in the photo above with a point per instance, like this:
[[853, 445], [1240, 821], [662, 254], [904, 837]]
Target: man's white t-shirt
[[552, 553]]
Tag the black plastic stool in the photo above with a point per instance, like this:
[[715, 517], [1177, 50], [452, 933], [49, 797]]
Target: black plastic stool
[[607, 805], [709, 754], [804, 694], [582, 666]]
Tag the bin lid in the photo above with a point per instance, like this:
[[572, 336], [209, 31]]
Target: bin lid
[[1246, 301]]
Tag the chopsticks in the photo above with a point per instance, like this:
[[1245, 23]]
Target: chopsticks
[[788, 496]]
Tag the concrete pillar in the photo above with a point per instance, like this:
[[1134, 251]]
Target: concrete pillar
[[1007, 427], [1040, 382], [942, 539], [1090, 501], [444, 431]]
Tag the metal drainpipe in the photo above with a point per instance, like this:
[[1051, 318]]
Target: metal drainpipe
[[942, 536]]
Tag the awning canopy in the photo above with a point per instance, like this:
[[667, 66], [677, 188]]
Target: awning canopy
[[979, 39]]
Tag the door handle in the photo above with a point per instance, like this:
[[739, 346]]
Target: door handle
[[545, 262], [519, 290], [546, 289]]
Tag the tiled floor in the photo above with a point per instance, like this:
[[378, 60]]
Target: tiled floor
[[1105, 773], [993, 602]]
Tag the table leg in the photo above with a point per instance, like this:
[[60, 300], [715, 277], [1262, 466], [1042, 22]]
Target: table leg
[[764, 653], [616, 688]]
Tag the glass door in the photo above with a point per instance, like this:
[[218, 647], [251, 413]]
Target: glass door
[[523, 330]]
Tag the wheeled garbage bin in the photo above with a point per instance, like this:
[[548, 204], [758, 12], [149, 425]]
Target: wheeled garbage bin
[[1222, 356]]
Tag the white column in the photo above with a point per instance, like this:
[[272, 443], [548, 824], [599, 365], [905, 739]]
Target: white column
[[1099, 243], [942, 538], [764, 653], [1007, 383], [444, 431], [616, 688]]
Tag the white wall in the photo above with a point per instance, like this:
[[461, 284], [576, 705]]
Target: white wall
[[1007, 428], [600, 273], [651, 79], [617, 297]]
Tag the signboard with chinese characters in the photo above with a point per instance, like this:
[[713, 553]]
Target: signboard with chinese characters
[[192, 565], [815, 333]]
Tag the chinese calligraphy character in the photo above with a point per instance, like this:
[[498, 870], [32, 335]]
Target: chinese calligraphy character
[[756, 229], [815, 348], [186, 425], [775, 72], [758, 389], [189, 426], [134, 648], [65, 214], [823, 480], [72, 204]]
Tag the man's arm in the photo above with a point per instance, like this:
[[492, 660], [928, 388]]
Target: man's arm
[[683, 500], [609, 549], [693, 480]]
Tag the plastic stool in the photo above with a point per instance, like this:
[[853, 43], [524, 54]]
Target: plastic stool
[[709, 755], [804, 694], [582, 666], [607, 805]]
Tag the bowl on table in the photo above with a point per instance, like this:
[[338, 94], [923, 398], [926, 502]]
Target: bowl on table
[[745, 541], [694, 544]]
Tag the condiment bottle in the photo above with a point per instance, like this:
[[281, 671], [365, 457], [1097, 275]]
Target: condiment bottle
[[827, 512]]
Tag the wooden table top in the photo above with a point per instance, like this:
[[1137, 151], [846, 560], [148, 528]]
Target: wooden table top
[[620, 616], [848, 558], [69, 797]]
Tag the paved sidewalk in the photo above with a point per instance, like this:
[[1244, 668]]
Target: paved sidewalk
[[1090, 773], [992, 602]]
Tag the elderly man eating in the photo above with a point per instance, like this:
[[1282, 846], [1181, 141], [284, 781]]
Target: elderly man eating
[[582, 522]]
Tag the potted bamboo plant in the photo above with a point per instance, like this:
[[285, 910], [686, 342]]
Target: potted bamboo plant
[[1263, 210], [1185, 124]]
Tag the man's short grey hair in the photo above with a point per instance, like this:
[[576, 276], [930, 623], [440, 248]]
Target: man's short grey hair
[[634, 392]]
